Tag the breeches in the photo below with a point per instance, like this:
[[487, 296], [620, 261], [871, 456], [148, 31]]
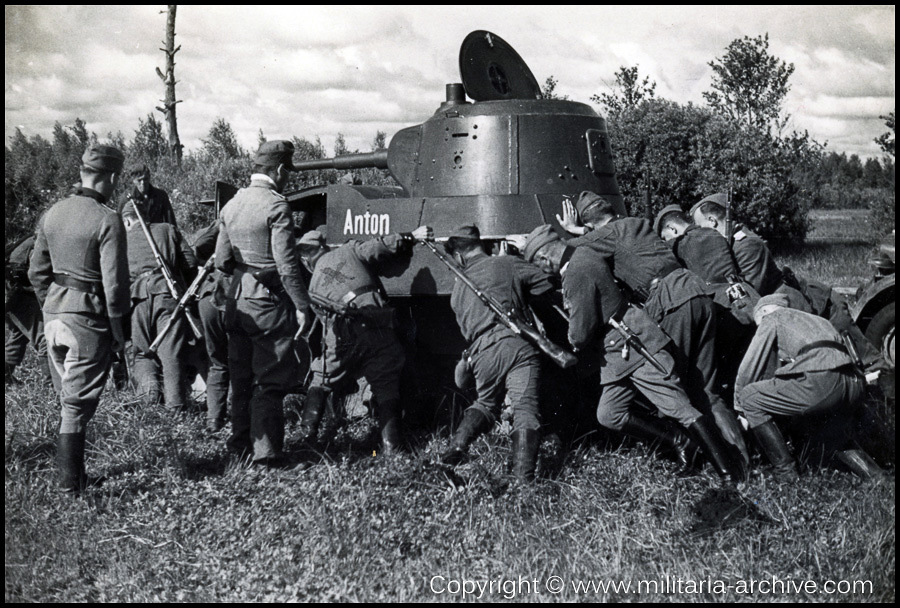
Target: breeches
[[508, 367]]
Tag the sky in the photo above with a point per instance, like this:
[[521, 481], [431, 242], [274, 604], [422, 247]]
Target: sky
[[318, 71]]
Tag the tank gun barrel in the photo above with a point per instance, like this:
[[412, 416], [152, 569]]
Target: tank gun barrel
[[377, 159]]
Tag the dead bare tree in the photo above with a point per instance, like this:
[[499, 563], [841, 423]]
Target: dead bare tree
[[168, 107]]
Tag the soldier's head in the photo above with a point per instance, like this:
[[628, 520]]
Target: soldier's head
[[101, 167], [140, 177], [710, 212], [671, 222], [594, 210], [544, 249], [275, 159], [769, 304], [310, 247], [464, 243]]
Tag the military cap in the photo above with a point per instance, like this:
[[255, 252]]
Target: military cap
[[466, 232], [274, 153], [657, 223], [586, 200], [103, 158], [719, 198], [775, 299], [540, 236], [140, 171], [313, 237]]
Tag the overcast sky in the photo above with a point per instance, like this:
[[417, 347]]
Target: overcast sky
[[310, 71]]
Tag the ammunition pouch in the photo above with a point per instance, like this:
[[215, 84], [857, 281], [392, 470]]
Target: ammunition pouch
[[368, 318], [267, 277]]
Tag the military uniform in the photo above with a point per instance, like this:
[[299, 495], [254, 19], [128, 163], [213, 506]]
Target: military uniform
[[153, 306], [365, 343], [256, 243], [79, 270], [23, 318], [155, 206]]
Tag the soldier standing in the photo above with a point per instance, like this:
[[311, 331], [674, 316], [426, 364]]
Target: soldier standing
[[268, 302], [504, 365], [595, 303], [796, 367], [23, 319], [154, 203], [359, 336], [79, 270], [153, 305]]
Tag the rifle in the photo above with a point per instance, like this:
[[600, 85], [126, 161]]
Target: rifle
[[189, 296], [729, 218], [631, 341], [161, 264], [509, 318]]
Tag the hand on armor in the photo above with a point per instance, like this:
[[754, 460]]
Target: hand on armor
[[423, 233], [569, 220], [517, 240]]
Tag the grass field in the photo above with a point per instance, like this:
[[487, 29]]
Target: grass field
[[178, 519]]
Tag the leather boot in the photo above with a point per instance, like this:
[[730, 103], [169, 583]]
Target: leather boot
[[707, 434], [316, 399], [667, 434], [473, 424], [391, 427], [70, 461], [860, 463], [770, 439], [525, 451], [10, 377]]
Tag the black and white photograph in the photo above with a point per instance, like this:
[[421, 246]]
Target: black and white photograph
[[519, 303]]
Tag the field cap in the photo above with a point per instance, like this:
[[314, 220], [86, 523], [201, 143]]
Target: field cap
[[719, 198], [274, 153], [775, 299], [586, 200], [313, 237], [657, 223], [540, 236], [140, 171], [466, 232], [103, 158]]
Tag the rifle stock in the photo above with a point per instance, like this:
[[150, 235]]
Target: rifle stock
[[729, 217], [518, 326], [189, 296]]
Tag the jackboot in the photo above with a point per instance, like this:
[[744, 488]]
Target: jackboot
[[316, 399], [770, 439], [389, 421], [525, 452], [473, 424], [707, 434], [70, 462], [657, 430], [860, 463]]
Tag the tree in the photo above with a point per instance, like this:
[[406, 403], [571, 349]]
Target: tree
[[221, 142], [168, 107], [886, 140], [149, 144], [628, 92], [749, 85], [547, 91]]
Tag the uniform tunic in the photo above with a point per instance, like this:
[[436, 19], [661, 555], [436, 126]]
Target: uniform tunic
[[153, 305], [366, 345], [257, 234], [592, 299], [23, 319], [755, 261], [155, 206], [796, 364], [502, 362], [80, 238]]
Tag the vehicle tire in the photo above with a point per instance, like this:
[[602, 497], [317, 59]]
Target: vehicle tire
[[880, 332]]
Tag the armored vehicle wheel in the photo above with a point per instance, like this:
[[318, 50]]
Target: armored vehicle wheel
[[880, 332]]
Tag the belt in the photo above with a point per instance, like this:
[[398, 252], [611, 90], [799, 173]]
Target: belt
[[91, 287], [822, 344], [353, 294]]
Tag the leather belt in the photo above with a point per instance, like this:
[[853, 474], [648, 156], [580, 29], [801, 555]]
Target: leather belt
[[822, 344], [353, 294], [70, 282]]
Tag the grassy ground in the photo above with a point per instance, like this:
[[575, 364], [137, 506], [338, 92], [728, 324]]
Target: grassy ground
[[178, 519]]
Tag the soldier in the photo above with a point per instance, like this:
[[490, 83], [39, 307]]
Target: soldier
[[154, 203], [359, 337], [797, 366], [79, 270], [212, 306], [267, 304], [758, 267], [672, 296], [23, 319], [503, 364], [595, 303], [153, 304]]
